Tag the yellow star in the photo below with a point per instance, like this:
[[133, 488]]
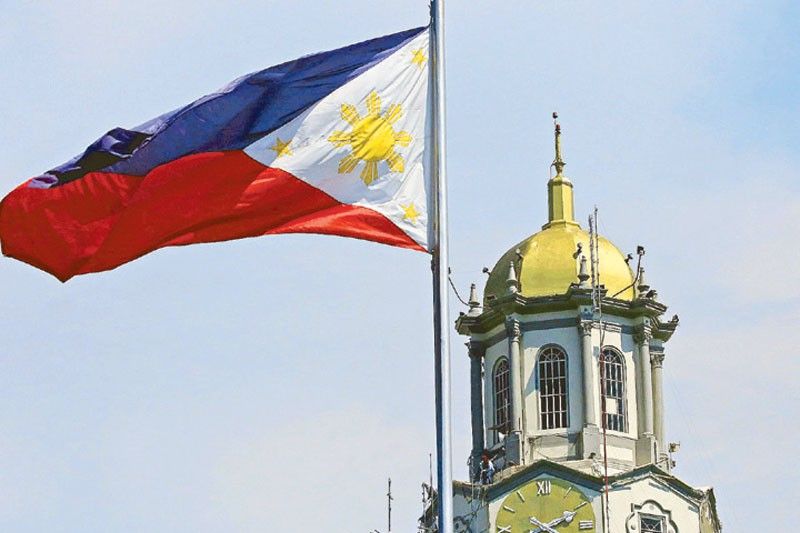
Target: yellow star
[[281, 148], [419, 57], [410, 212]]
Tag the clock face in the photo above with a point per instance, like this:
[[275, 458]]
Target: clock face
[[545, 506]]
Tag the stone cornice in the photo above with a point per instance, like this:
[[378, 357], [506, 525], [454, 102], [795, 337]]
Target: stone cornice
[[497, 309], [663, 331], [562, 471]]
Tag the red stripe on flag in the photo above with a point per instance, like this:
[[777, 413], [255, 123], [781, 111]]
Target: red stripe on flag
[[105, 220]]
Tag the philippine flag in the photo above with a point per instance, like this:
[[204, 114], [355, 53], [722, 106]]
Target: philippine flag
[[331, 143]]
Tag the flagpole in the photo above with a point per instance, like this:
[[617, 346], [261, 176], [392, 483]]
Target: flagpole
[[441, 270]]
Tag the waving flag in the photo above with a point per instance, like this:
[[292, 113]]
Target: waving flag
[[331, 143]]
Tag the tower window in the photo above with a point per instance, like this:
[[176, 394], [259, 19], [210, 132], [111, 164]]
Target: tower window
[[553, 406], [502, 399], [651, 524], [613, 387]]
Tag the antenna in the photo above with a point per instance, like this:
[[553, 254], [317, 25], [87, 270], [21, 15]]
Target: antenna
[[597, 304], [389, 501], [593, 261]]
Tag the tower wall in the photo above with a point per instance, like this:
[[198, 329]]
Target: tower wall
[[561, 329]]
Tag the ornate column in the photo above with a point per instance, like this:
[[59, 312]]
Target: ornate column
[[646, 443], [476, 354], [657, 364], [514, 439], [642, 338], [587, 359], [590, 434]]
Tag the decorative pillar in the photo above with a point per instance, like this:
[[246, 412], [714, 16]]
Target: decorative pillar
[[514, 439], [642, 339], [587, 359], [476, 354], [646, 452], [590, 434], [657, 366]]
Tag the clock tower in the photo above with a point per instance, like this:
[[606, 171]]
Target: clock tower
[[567, 348]]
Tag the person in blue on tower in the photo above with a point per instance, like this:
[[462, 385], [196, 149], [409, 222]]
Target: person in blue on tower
[[487, 469]]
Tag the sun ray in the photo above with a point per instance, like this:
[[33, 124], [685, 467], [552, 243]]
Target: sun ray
[[348, 163], [374, 104], [402, 138], [396, 162], [370, 172], [350, 114], [341, 138], [393, 113]]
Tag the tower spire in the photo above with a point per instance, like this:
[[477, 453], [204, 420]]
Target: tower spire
[[560, 205]]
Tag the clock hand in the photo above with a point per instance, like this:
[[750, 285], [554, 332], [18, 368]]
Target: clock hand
[[566, 517], [569, 516], [542, 527]]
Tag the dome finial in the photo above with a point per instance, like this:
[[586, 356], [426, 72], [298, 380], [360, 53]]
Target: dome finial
[[558, 162], [560, 205]]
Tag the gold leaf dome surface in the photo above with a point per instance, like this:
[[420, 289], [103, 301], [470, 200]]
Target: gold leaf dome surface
[[547, 264]]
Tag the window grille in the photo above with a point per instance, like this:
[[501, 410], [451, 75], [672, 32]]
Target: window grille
[[651, 524], [614, 390], [553, 406], [502, 400]]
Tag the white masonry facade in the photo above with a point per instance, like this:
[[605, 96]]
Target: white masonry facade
[[567, 349]]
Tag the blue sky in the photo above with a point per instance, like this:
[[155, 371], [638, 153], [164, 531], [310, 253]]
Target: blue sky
[[274, 383]]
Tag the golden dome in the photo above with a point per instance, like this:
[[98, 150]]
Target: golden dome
[[546, 263]]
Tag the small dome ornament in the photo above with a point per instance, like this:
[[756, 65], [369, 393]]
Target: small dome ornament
[[473, 302], [583, 274], [642, 286], [512, 284]]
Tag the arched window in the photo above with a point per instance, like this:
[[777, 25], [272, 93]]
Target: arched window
[[502, 399], [614, 389], [553, 406]]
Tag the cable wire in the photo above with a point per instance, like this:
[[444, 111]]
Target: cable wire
[[453, 286]]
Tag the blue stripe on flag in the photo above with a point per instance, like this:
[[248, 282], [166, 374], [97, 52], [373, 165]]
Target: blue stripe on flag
[[236, 116]]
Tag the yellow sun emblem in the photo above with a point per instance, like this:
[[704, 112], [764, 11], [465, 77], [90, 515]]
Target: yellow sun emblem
[[372, 139]]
